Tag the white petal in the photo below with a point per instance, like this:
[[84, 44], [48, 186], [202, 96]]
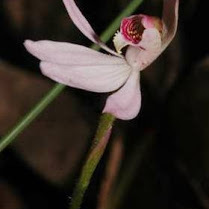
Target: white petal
[[69, 54], [96, 78], [83, 25], [126, 102], [151, 40], [150, 48]]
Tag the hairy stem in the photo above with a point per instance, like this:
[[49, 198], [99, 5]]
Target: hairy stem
[[97, 149]]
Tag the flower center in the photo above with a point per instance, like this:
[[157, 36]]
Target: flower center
[[133, 29]]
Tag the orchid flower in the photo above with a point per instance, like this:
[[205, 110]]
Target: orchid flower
[[145, 38]]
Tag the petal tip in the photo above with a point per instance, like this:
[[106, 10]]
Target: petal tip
[[125, 103], [120, 116], [28, 44]]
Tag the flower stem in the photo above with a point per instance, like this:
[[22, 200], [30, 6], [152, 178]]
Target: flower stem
[[97, 149], [58, 88]]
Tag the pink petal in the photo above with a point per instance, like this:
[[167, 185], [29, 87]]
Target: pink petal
[[170, 21], [126, 102], [133, 27], [96, 78], [83, 25], [69, 54], [150, 48]]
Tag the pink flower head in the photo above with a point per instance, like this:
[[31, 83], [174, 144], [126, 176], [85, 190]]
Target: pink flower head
[[77, 66], [132, 29]]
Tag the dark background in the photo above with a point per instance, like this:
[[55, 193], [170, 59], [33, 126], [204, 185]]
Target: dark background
[[169, 140]]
